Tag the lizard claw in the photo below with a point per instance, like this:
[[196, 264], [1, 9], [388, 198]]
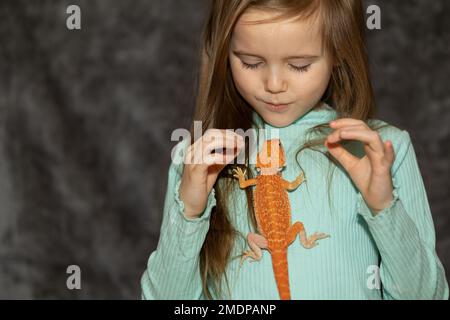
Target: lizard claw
[[249, 254], [302, 177], [320, 235], [235, 173], [311, 242], [238, 173], [245, 254]]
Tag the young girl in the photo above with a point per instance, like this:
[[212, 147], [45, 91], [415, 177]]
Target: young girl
[[291, 67]]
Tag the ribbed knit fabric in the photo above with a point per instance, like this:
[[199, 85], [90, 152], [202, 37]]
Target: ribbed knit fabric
[[397, 246]]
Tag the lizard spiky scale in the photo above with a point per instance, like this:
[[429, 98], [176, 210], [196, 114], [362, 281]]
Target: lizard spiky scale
[[273, 210]]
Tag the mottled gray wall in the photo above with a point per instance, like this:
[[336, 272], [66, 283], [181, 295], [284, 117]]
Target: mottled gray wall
[[86, 117]]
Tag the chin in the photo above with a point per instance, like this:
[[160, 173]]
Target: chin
[[280, 122]]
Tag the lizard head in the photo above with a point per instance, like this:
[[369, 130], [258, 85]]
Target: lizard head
[[271, 155]]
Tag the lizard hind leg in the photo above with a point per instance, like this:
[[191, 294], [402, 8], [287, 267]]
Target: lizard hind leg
[[256, 243], [307, 242], [311, 241], [293, 230]]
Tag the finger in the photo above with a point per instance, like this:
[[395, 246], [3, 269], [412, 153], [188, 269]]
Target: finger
[[217, 159], [345, 158], [334, 137], [389, 151], [214, 135], [197, 151], [225, 152], [375, 153], [232, 141], [339, 123], [369, 137], [217, 141], [217, 146], [219, 133], [190, 155], [374, 147]]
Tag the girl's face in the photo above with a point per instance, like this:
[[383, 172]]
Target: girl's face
[[279, 63]]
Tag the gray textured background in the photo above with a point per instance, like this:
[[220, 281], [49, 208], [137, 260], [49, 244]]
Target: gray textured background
[[86, 117]]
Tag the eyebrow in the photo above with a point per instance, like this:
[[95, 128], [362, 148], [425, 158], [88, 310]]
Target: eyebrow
[[304, 56]]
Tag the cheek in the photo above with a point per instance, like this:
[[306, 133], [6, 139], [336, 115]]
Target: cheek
[[245, 82], [314, 82]]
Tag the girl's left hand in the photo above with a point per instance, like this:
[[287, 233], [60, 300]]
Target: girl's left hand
[[372, 173]]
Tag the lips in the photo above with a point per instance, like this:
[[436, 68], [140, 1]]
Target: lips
[[277, 108], [277, 104]]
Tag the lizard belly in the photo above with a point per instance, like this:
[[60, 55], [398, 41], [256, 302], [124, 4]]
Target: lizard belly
[[272, 210]]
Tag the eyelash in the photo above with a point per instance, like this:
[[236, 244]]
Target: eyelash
[[254, 66]]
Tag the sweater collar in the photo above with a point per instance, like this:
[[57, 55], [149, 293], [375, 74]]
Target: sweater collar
[[322, 114], [293, 135]]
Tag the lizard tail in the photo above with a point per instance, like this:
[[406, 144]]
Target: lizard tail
[[280, 269]]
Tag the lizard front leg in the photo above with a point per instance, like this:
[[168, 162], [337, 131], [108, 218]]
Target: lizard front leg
[[256, 242], [294, 184], [239, 174]]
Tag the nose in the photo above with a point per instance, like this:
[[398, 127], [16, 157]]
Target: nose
[[275, 83]]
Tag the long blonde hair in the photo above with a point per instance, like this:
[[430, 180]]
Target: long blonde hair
[[219, 105]]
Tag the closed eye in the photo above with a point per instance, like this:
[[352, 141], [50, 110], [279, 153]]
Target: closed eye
[[295, 68], [250, 66]]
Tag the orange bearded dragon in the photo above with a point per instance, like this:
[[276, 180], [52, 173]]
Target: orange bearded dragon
[[273, 213]]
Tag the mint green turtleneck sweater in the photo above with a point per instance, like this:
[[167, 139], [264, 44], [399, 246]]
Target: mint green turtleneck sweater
[[390, 255]]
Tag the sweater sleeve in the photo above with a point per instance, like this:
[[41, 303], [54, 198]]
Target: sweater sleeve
[[404, 233], [173, 268]]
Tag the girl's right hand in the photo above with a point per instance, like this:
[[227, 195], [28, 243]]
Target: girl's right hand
[[201, 172]]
